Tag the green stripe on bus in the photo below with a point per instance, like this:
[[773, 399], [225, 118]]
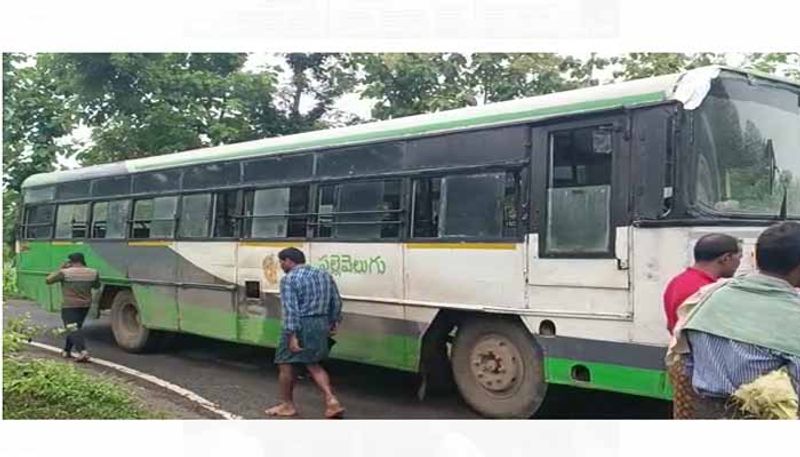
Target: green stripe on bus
[[615, 378]]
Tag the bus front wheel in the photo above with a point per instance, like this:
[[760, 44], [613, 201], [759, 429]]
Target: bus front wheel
[[126, 324], [498, 368]]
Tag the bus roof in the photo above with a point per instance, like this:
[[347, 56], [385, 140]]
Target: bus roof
[[683, 87]]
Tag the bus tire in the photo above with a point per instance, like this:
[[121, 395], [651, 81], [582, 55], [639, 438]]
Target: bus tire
[[498, 368], [129, 332]]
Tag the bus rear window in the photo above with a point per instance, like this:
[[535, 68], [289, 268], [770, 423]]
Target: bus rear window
[[38, 222]]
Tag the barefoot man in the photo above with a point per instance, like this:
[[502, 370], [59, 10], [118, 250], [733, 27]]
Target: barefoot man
[[312, 311]]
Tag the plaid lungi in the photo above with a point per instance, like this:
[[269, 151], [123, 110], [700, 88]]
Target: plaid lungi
[[683, 395]]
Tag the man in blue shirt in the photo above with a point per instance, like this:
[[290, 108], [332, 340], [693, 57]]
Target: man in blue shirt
[[312, 311]]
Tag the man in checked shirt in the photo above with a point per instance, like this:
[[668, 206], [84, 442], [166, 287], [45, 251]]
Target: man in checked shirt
[[312, 311]]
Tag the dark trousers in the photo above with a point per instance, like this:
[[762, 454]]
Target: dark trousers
[[73, 321]]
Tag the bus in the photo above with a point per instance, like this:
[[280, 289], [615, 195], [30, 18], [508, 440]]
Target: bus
[[501, 248]]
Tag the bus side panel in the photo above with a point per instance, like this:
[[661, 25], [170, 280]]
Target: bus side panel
[[370, 278], [658, 255], [601, 348], [149, 266], [33, 266], [206, 298], [258, 315], [482, 274]]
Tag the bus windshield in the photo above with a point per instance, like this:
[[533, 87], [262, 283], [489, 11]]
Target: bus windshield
[[747, 144]]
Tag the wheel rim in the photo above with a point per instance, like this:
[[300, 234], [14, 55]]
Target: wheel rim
[[130, 321], [496, 365]]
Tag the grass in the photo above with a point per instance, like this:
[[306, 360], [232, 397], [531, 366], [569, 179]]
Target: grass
[[47, 389]]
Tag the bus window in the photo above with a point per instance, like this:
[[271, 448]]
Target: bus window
[[154, 217], [195, 216], [157, 181], [38, 221], [39, 194], [211, 175], [579, 192], [225, 214], [276, 213], [71, 221], [360, 210], [73, 190], [480, 206], [276, 169], [109, 219], [106, 187], [427, 202]]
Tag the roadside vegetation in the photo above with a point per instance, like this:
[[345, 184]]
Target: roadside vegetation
[[38, 388]]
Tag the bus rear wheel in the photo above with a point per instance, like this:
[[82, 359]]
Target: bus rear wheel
[[126, 324], [498, 368]]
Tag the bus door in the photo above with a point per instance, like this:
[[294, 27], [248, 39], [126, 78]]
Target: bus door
[[578, 246]]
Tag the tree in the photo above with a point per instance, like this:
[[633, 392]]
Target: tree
[[646, 64], [35, 120], [407, 84], [499, 77], [148, 104], [322, 77], [410, 83], [780, 64]]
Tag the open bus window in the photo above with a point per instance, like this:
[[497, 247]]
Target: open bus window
[[38, 221], [71, 221], [360, 210], [110, 218], [154, 217], [195, 217], [225, 213], [276, 213], [579, 192], [459, 206]]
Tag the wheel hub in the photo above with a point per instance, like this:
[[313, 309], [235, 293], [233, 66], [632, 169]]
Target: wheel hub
[[495, 363]]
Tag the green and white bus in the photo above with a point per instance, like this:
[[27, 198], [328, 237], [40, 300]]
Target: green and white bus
[[507, 246]]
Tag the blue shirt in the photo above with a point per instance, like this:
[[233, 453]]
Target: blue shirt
[[719, 365], [309, 291]]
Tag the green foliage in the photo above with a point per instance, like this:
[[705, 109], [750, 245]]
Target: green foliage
[[46, 389], [782, 64], [323, 77], [410, 83], [646, 64], [499, 77], [17, 331], [148, 104], [35, 116], [10, 212]]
